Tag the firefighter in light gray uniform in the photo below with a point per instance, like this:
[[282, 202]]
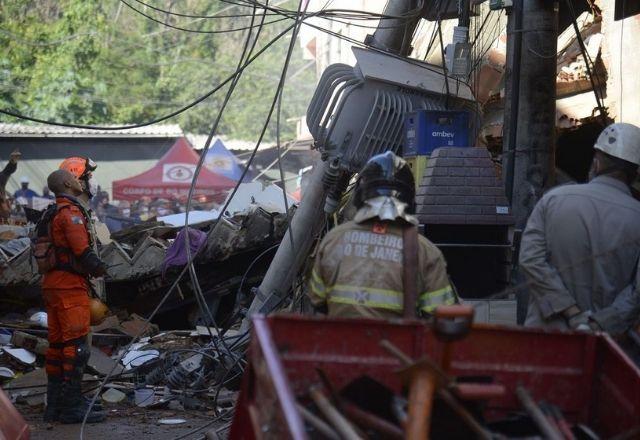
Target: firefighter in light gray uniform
[[581, 246], [358, 270]]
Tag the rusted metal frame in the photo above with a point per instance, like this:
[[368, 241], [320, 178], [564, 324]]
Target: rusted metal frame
[[590, 358], [281, 384]]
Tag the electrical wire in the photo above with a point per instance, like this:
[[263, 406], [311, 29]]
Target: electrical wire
[[197, 31], [214, 15], [277, 96], [202, 302], [327, 15], [182, 272]]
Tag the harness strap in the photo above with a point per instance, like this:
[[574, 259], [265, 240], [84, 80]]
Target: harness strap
[[410, 270]]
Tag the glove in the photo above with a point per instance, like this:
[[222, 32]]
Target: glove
[[92, 264]]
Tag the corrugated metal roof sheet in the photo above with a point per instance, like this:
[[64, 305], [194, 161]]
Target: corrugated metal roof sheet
[[42, 130]]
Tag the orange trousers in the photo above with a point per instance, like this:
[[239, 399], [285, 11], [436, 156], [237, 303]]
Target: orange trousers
[[68, 319]]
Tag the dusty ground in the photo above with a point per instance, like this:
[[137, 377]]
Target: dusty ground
[[123, 422]]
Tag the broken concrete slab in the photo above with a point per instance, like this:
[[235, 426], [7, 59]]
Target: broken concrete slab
[[29, 342], [103, 364], [138, 326], [33, 379]]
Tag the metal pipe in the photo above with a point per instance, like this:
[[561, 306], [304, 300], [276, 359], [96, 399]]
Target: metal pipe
[[368, 420], [340, 423], [464, 414], [443, 393], [532, 408], [319, 424]]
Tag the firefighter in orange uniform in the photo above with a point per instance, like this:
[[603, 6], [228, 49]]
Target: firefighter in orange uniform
[[66, 293]]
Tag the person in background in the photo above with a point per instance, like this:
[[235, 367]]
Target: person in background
[[24, 191], [102, 205], [359, 268], [581, 248], [46, 194], [5, 174]]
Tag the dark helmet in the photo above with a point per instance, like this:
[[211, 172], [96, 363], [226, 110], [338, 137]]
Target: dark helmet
[[386, 175]]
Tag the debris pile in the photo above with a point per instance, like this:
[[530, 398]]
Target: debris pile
[[174, 370], [141, 267]]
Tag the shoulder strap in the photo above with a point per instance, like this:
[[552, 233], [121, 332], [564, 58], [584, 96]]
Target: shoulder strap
[[410, 270]]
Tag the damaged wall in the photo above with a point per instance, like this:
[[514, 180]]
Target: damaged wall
[[619, 53]]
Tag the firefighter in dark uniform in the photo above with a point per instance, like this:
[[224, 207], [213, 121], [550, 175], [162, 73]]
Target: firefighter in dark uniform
[[65, 289], [358, 270]]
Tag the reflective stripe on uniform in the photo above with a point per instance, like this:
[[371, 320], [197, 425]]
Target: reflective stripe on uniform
[[317, 286], [441, 297], [366, 296]]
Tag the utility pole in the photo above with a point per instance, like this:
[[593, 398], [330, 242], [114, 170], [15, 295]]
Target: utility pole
[[511, 95], [394, 34], [531, 155], [391, 35], [528, 159]]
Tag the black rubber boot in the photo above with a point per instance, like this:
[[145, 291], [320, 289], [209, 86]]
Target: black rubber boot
[[97, 405], [54, 393], [74, 405]]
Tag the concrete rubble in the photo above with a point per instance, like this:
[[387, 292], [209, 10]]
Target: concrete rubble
[[144, 367]]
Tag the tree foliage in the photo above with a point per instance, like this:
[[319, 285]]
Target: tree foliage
[[100, 62]]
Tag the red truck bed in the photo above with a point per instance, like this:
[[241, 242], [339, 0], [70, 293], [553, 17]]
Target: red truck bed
[[587, 376]]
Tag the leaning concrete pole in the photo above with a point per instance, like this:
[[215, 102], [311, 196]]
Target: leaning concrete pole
[[309, 216], [394, 34], [294, 247], [534, 149]]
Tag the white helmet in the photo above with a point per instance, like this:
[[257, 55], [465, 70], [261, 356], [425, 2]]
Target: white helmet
[[620, 140]]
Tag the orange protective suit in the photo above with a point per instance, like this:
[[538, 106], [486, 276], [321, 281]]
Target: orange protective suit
[[66, 294]]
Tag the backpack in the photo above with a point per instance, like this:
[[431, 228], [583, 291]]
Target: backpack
[[43, 250]]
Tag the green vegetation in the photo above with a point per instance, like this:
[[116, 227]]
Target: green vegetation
[[100, 62]]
